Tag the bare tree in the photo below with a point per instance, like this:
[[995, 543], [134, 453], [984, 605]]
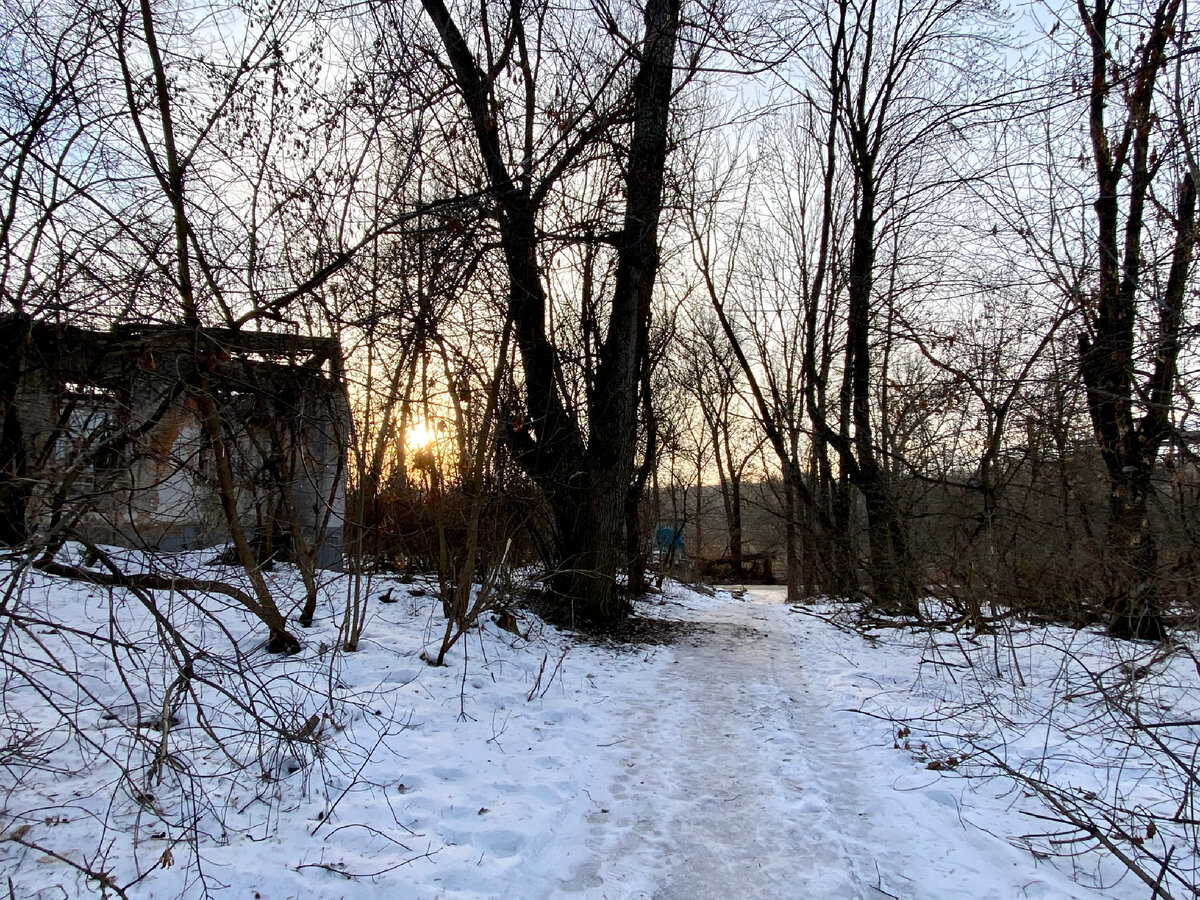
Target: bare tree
[[1138, 142], [898, 86], [710, 373], [528, 141]]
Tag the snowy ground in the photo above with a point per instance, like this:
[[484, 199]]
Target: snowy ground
[[768, 753]]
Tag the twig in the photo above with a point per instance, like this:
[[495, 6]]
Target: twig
[[105, 880], [1056, 803], [538, 682], [557, 667], [352, 782], [428, 854]]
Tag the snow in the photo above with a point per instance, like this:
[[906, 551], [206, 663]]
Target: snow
[[769, 752]]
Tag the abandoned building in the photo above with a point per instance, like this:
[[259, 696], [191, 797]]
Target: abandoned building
[[112, 436]]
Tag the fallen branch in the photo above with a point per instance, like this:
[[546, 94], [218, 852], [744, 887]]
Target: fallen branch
[[148, 581]]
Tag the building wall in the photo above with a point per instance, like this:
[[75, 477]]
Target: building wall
[[114, 447]]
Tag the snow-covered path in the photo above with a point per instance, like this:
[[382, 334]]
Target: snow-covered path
[[736, 776], [716, 791]]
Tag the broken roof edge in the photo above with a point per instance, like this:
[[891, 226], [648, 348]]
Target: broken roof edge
[[131, 336]]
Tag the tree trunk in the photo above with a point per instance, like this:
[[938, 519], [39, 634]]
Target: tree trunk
[[735, 525], [892, 565], [794, 592], [843, 580], [635, 539], [1132, 601], [590, 550], [14, 488]]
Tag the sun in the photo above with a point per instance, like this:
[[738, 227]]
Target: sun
[[420, 436]]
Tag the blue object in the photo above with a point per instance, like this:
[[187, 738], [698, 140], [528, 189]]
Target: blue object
[[666, 537]]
